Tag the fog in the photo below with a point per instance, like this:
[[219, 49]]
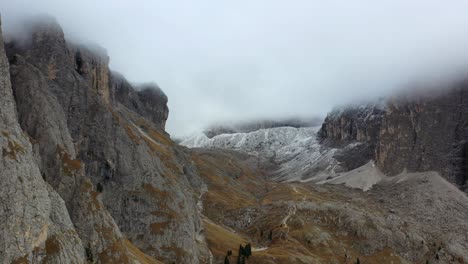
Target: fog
[[243, 60]]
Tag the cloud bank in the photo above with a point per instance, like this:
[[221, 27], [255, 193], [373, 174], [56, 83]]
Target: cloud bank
[[242, 60]]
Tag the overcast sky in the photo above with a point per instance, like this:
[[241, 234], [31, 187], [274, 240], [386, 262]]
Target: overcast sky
[[243, 59]]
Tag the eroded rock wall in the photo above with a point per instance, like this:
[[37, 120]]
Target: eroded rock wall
[[101, 145], [34, 220], [424, 132]]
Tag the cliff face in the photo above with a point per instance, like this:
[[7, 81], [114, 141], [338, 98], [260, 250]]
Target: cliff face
[[148, 100], [355, 123], [417, 133], [100, 144], [88, 175], [34, 221]]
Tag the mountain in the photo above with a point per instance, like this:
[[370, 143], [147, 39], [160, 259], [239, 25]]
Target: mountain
[[415, 133], [254, 125], [292, 153], [89, 175], [97, 143]]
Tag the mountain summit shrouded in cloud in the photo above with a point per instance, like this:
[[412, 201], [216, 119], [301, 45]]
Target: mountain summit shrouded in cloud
[[89, 174], [264, 59]]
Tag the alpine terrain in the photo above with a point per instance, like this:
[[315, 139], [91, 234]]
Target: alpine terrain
[[88, 173]]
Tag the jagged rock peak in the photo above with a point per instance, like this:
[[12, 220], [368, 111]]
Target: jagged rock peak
[[118, 173], [147, 99], [43, 40]]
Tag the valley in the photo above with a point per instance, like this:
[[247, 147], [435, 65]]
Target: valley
[[90, 175]]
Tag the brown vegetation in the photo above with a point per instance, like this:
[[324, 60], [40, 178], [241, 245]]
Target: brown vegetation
[[70, 166]]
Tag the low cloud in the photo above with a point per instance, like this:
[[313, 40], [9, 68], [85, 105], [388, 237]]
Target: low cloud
[[244, 60]]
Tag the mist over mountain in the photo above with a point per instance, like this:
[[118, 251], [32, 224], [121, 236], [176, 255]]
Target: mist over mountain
[[206, 132], [264, 59], [253, 125]]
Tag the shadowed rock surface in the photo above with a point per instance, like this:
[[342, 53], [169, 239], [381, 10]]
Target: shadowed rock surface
[[413, 132], [88, 175], [34, 221], [116, 169]]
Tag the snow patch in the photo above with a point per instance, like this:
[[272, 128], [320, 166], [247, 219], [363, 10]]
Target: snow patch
[[296, 150]]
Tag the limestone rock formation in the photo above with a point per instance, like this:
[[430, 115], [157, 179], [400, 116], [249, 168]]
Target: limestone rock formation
[[35, 223], [147, 100], [102, 147], [88, 174], [413, 132]]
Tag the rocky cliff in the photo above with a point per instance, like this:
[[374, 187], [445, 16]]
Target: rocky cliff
[[418, 132], [85, 135], [34, 220], [88, 175]]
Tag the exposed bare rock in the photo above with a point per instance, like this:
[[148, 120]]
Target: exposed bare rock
[[34, 221], [416, 133], [117, 170], [427, 133], [147, 100], [88, 174], [93, 66]]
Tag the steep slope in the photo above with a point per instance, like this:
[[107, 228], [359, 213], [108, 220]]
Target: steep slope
[[412, 218], [421, 132], [33, 218], [119, 173], [293, 153], [88, 175]]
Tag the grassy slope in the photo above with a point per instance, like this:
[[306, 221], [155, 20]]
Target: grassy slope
[[229, 194]]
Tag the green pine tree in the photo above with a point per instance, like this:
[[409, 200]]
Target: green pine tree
[[99, 187], [248, 250], [240, 254]]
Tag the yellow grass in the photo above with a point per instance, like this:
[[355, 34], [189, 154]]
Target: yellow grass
[[140, 256], [220, 239]]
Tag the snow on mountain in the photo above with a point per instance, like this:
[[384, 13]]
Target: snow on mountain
[[296, 151]]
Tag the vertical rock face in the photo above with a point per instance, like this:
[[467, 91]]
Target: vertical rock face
[[100, 143], [422, 133], [93, 67], [353, 124], [360, 123], [427, 133], [34, 221], [147, 100]]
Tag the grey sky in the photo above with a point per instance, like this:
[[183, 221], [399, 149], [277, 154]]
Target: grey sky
[[233, 60]]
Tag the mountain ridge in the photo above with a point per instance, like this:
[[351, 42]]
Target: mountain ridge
[[89, 175]]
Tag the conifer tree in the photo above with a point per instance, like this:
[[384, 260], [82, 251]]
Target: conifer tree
[[99, 187], [248, 250], [240, 255]]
